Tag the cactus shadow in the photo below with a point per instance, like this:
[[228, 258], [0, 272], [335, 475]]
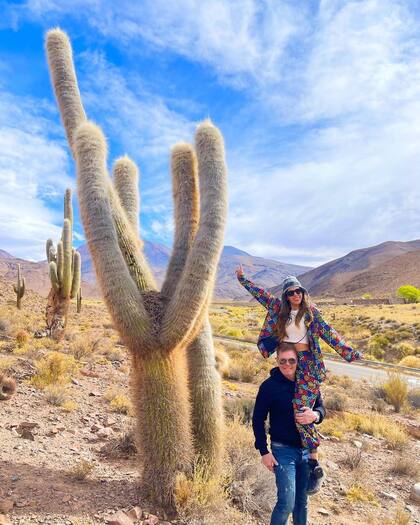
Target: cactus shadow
[[44, 491]]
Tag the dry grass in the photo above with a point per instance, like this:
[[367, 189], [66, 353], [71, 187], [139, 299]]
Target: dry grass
[[401, 517], [358, 492], [56, 394], [403, 465], [411, 360], [396, 391], [56, 368], [119, 402], [373, 424], [81, 470]]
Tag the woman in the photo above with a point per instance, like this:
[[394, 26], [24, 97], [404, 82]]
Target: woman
[[287, 459], [294, 319]]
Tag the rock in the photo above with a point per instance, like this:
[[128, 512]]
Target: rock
[[323, 511], [335, 439], [135, 513], [94, 393], [119, 518], [104, 433], [4, 520], [358, 444], [330, 464], [415, 492], [152, 520], [388, 495], [6, 505]]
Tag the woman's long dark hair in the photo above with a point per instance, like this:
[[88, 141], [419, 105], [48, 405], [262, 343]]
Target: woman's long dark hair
[[304, 308]]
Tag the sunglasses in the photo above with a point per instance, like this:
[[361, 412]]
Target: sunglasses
[[290, 293], [290, 361]]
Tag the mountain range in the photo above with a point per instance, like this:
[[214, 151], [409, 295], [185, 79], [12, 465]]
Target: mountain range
[[378, 270], [266, 271]]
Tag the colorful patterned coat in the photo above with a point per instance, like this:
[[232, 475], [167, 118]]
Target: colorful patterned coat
[[317, 328]]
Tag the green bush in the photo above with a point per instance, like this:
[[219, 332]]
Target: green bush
[[409, 293]]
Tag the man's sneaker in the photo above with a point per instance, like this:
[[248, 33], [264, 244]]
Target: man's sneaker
[[316, 478]]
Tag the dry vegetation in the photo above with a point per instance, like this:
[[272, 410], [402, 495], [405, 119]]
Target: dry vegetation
[[78, 394]]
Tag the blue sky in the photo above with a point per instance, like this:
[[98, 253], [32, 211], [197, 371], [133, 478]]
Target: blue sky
[[318, 101]]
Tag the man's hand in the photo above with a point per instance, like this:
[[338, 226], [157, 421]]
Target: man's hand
[[306, 417], [239, 271], [269, 461]]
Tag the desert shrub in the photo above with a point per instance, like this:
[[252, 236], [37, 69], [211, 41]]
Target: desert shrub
[[373, 424], [335, 401], [56, 394], [403, 349], [242, 369], [353, 459], [83, 347], [81, 470], [118, 401], [409, 293], [22, 337], [396, 391], [56, 368], [122, 446], [379, 405], [240, 409], [403, 465], [401, 517], [69, 406], [233, 332], [414, 397], [411, 360], [114, 354], [358, 492]]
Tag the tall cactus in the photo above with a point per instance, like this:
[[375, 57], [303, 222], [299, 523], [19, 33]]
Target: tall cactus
[[157, 327], [19, 287], [65, 274]]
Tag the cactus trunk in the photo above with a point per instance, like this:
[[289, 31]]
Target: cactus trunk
[[19, 288], [163, 423], [56, 314]]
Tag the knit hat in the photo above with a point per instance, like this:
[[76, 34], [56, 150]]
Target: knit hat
[[289, 282]]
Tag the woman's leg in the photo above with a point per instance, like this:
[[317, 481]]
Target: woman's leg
[[285, 473], [300, 511]]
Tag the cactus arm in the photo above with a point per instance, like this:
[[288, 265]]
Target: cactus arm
[[53, 276], [60, 261], [77, 264], [126, 180], [198, 276], [67, 258], [22, 287], [68, 207], [119, 289], [49, 248], [186, 211], [63, 78]]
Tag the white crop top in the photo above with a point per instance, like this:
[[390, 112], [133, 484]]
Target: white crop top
[[296, 334]]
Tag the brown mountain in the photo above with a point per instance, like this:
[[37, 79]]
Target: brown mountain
[[265, 271], [378, 270]]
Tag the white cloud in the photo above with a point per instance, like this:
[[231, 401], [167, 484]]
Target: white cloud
[[33, 168]]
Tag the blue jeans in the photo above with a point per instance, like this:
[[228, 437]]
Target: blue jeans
[[292, 473]]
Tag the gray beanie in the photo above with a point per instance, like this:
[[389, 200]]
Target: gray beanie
[[289, 282]]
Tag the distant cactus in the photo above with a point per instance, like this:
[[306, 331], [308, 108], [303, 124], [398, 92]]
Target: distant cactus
[[19, 287], [156, 327], [65, 274], [7, 387]]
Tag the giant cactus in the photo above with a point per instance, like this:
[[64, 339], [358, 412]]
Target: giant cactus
[[19, 287], [65, 275], [157, 327]]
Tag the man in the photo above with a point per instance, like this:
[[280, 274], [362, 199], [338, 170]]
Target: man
[[287, 459]]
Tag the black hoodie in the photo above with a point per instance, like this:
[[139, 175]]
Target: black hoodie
[[275, 398]]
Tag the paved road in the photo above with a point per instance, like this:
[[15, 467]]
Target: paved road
[[353, 370]]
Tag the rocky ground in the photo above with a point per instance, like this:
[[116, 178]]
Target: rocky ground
[[79, 467]]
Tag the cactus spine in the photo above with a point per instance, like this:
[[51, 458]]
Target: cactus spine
[[65, 274], [156, 327], [19, 288]]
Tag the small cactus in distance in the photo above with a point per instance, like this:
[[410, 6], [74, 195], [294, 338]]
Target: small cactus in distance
[[65, 274], [19, 288]]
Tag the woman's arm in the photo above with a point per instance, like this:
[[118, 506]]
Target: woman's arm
[[334, 339], [262, 296]]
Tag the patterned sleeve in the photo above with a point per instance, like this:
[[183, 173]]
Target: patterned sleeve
[[263, 297], [334, 339]]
